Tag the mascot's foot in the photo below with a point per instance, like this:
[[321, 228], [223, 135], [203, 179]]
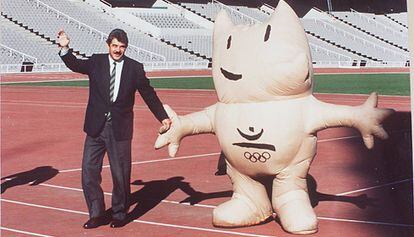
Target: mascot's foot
[[296, 213], [237, 212]]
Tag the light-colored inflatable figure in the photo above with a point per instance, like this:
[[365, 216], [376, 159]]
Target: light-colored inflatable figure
[[266, 120]]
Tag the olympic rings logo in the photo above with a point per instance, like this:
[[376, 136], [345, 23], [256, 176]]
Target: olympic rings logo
[[256, 156]]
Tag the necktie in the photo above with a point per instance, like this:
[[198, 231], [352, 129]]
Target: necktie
[[112, 84]]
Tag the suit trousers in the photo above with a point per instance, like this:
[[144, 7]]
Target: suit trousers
[[119, 154]]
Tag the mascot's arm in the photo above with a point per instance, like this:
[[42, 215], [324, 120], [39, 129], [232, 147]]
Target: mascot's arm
[[190, 124], [367, 118]]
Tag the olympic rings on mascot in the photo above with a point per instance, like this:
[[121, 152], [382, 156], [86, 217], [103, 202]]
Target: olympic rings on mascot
[[256, 156]]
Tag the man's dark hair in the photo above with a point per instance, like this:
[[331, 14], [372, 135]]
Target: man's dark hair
[[118, 34]]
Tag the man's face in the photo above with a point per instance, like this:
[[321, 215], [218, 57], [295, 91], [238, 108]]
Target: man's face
[[116, 49]]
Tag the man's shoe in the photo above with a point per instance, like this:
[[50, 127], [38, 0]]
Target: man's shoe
[[96, 222], [118, 223]]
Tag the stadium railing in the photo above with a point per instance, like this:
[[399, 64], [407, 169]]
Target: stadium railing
[[25, 57], [186, 65], [60, 67], [360, 64]]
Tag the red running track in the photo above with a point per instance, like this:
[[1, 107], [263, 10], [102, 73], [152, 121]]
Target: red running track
[[355, 191]]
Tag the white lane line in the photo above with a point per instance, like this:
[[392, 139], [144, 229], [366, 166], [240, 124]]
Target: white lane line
[[363, 96], [365, 222], [213, 230], [83, 105], [137, 221], [373, 187], [337, 138], [201, 77], [176, 158], [211, 206], [110, 194], [23, 232], [358, 136], [40, 81], [203, 229], [30, 102], [217, 153], [45, 103], [151, 161], [321, 218]]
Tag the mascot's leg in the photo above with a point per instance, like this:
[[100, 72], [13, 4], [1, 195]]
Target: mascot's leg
[[291, 202], [249, 204]]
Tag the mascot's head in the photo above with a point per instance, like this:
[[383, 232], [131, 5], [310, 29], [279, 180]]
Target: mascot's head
[[263, 62]]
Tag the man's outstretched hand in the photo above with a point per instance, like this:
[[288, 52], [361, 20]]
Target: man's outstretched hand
[[166, 124]]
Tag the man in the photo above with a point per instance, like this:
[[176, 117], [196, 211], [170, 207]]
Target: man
[[113, 81], [221, 165]]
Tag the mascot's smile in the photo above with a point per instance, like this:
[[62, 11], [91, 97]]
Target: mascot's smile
[[230, 76]]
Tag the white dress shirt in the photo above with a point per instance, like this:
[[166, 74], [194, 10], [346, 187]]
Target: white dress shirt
[[119, 65]]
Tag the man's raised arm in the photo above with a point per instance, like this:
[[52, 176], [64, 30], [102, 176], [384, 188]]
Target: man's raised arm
[[74, 64]]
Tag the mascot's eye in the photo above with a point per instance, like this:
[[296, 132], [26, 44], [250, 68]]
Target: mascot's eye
[[229, 42], [267, 35]]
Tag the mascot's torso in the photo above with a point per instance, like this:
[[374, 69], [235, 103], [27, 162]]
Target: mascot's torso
[[263, 138]]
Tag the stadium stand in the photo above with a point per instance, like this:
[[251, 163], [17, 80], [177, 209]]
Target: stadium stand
[[12, 56], [253, 12], [86, 26], [393, 34], [340, 34], [179, 35], [22, 40], [211, 9], [400, 18], [166, 20], [201, 44]]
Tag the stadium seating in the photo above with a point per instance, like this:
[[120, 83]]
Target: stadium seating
[[166, 20], [355, 41], [393, 34], [30, 45], [211, 9], [252, 12], [401, 18], [29, 30], [11, 56], [87, 26], [201, 44]]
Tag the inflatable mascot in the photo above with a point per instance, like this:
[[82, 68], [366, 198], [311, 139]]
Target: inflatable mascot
[[266, 120]]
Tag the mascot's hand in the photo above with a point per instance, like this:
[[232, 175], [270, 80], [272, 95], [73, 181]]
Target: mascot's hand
[[173, 135], [369, 120]]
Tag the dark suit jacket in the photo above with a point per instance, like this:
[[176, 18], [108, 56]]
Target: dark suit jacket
[[132, 78]]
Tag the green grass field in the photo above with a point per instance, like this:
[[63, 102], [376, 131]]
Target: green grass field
[[384, 84]]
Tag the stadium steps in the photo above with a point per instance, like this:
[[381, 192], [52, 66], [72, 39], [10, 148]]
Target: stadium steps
[[195, 12], [178, 47], [343, 47], [186, 49], [48, 39], [369, 33], [394, 20]]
